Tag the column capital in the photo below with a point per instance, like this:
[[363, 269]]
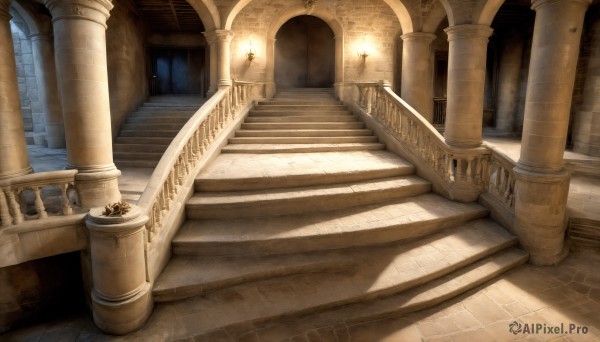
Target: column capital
[[97, 11], [4, 14], [218, 36], [468, 31], [421, 36], [535, 4], [41, 36]]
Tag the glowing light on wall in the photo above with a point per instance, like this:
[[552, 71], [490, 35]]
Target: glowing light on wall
[[364, 49]]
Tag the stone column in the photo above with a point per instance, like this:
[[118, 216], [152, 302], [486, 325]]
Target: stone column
[[211, 39], [271, 87], [45, 69], [224, 38], [121, 294], [586, 130], [542, 185], [80, 48], [13, 150], [417, 72], [509, 77], [466, 81]]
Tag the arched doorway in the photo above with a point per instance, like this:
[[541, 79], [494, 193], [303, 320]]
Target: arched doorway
[[305, 54]]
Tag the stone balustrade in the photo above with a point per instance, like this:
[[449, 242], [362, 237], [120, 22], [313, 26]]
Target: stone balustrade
[[36, 196], [188, 147], [501, 178]]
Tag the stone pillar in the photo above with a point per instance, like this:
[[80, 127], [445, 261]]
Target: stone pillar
[[542, 186], [270, 86], [211, 39], [224, 38], [45, 69], [586, 130], [121, 295], [13, 150], [466, 81], [509, 77], [417, 72], [80, 48]]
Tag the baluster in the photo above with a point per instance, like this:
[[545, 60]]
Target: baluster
[[214, 120], [5, 217], [369, 106], [204, 136], [14, 207], [450, 166], [469, 169], [66, 204]]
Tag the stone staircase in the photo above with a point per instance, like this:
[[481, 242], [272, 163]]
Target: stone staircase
[[301, 218], [147, 132]]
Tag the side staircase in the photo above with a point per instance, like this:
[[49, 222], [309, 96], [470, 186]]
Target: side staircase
[[305, 212], [147, 132]]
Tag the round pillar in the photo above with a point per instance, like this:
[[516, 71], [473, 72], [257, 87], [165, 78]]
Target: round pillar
[[80, 51], [211, 39], [542, 186], [45, 68], [121, 294], [417, 72], [466, 82], [224, 38], [270, 85], [13, 149], [509, 77]]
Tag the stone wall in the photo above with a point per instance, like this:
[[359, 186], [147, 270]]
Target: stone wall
[[357, 18], [126, 57], [33, 116], [39, 289]]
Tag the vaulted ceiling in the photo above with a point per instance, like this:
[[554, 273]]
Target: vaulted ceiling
[[169, 16]]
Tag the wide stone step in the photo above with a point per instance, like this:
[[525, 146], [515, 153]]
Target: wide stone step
[[303, 140], [161, 114], [136, 163], [157, 120], [231, 172], [422, 297], [304, 133], [300, 148], [189, 109], [154, 134], [276, 102], [255, 203], [143, 140], [186, 276], [308, 119], [303, 125], [137, 155], [300, 108], [261, 113], [140, 148], [381, 272], [385, 222], [151, 127]]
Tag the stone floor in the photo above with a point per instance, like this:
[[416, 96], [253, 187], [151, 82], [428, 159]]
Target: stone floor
[[532, 300]]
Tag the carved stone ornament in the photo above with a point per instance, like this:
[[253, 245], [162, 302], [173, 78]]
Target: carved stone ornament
[[309, 4]]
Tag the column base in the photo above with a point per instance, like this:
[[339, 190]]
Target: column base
[[97, 189], [463, 144], [123, 317], [18, 173], [540, 214]]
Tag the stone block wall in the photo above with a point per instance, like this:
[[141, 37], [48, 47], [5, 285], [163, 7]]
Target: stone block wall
[[357, 17], [33, 116], [126, 57]]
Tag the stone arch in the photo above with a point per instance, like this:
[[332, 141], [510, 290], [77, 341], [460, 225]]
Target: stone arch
[[239, 6], [449, 12], [435, 17], [208, 13], [319, 12], [28, 17], [487, 11]]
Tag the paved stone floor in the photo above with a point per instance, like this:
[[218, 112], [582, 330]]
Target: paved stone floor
[[531, 299]]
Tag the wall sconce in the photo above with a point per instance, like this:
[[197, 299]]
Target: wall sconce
[[251, 54], [364, 50]]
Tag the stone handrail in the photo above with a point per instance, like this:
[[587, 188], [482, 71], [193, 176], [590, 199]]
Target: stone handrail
[[11, 190], [501, 179], [458, 168], [186, 150]]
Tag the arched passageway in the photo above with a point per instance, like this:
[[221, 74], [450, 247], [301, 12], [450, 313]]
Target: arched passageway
[[305, 54]]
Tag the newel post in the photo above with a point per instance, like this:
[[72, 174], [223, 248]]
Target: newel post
[[121, 295]]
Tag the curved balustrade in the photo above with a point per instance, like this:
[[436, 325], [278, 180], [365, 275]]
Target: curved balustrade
[[22, 199], [476, 169], [187, 149]]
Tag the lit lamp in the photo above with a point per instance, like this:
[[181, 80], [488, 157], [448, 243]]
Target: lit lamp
[[363, 50], [251, 54]]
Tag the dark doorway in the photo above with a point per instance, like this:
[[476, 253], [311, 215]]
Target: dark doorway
[[177, 71], [305, 54]]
